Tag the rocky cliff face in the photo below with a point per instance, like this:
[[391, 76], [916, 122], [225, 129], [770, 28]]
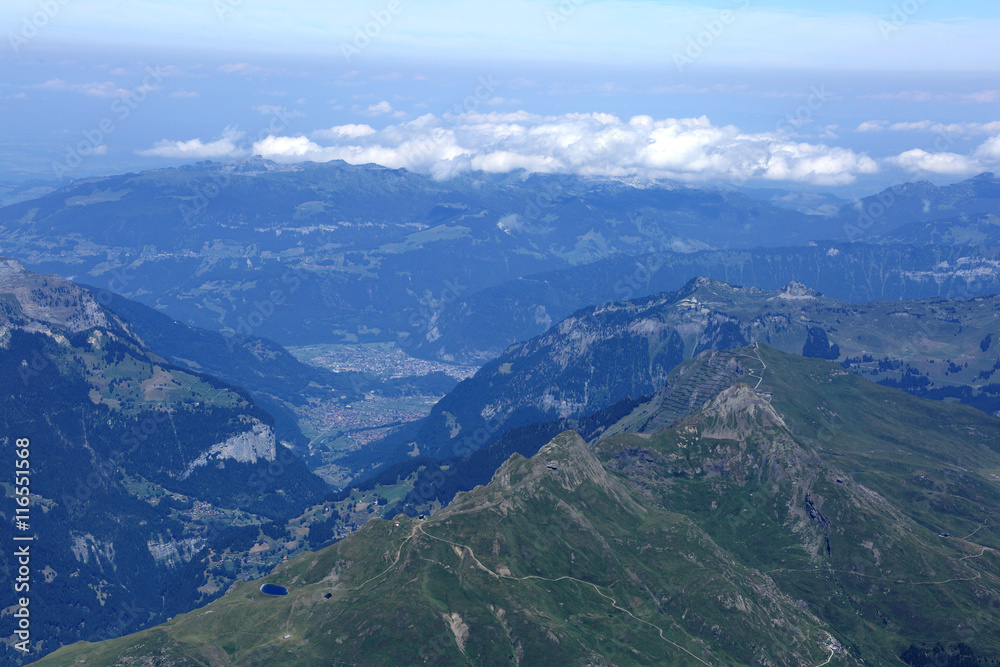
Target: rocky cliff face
[[51, 299], [247, 447]]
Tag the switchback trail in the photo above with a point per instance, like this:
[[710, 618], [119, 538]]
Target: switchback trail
[[596, 588]]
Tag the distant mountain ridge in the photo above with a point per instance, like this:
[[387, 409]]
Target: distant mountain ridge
[[603, 354], [385, 254], [478, 326]]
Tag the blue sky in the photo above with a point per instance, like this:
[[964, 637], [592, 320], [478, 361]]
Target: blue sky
[[846, 96]]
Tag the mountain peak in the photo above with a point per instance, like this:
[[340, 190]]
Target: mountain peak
[[796, 290], [10, 267], [51, 299], [565, 464], [736, 412]]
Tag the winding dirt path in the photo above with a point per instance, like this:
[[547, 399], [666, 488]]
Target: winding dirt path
[[763, 366], [614, 603]]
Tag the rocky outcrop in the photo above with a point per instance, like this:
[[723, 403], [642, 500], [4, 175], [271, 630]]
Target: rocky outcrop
[[796, 291], [51, 299], [738, 412], [248, 447], [175, 552]]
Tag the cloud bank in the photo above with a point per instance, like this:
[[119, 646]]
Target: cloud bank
[[225, 147], [592, 144]]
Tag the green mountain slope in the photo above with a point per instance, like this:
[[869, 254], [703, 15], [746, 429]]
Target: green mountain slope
[[846, 507], [797, 518]]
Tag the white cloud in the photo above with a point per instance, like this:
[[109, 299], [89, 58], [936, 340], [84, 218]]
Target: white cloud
[[103, 89], [985, 157], [289, 148], [280, 111], [588, 144], [990, 150], [240, 68], [984, 96], [225, 147], [384, 107], [946, 164], [688, 89], [872, 126], [349, 131], [964, 129], [921, 125], [981, 96], [948, 129]]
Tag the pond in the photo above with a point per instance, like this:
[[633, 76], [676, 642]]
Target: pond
[[273, 589]]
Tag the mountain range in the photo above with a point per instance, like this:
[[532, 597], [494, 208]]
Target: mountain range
[[251, 248], [649, 467], [605, 354], [800, 515]]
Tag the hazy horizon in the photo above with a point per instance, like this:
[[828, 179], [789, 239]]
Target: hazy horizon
[[847, 99]]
